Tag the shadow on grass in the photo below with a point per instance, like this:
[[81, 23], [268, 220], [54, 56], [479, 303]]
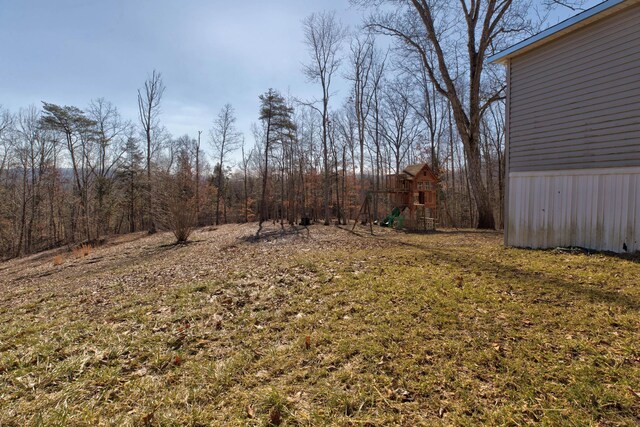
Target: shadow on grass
[[178, 245], [632, 257], [269, 235], [349, 228], [527, 278]]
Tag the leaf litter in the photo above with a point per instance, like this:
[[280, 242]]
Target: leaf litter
[[319, 326]]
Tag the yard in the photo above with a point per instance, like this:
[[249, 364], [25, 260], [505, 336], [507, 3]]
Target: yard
[[319, 326]]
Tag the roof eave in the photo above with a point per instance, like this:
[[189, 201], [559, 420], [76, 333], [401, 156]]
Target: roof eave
[[569, 25]]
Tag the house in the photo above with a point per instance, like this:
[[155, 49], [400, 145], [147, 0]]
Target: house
[[573, 132], [414, 190]]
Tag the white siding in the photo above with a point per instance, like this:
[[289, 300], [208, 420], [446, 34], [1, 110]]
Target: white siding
[[590, 208]]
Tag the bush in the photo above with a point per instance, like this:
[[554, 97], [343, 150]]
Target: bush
[[181, 218], [178, 204], [82, 250]]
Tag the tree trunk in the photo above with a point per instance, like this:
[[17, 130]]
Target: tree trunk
[[218, 195], [151, 223], [263, 197], [246, 198], [198, 180], [480, 193], [325, 156]]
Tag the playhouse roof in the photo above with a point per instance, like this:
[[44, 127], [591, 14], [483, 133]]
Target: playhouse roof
[[414, 170]]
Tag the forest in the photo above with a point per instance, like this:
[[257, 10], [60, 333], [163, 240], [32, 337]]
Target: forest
[[419, 91]]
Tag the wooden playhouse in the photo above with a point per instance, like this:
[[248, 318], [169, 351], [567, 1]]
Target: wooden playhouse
[[413, 197]]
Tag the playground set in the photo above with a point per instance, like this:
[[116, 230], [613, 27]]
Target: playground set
[[413, 196]]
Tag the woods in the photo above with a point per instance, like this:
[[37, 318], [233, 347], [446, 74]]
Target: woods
[[72, 174]]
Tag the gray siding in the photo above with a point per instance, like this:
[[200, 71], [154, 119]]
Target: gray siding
[[597, 209], [575, 104]]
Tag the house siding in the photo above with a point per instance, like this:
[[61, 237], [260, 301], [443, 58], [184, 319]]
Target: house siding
[[575, 103], [591, 208]]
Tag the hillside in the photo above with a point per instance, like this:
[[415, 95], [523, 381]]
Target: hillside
[[319, 326]]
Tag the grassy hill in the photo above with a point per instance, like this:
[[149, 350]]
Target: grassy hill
[[319, 326]]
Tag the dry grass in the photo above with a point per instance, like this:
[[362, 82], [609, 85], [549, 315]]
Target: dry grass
[[320, 328], [58, 260]]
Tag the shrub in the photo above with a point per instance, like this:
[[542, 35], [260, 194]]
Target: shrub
[[182, 218], [177, 201], [82, 251], [86, 250]]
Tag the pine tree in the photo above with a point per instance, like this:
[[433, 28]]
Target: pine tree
[[129, 181], [276, 117]]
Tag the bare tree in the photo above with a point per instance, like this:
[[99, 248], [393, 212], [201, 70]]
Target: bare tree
[[6, 123], [224, 139], [323, 37], [427, 104], [572, 5], [399, 124], [361, 59], [112, 133], [375, 131], [246, 159], [148, 111], [7, 220], [196, 148], [493, 138], [436, 32]]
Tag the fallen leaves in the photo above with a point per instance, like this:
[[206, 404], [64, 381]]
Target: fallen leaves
[[251, 412], [400, 394], [302, 330]]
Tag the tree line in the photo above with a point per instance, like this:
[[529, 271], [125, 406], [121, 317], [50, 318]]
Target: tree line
[[419, 90]]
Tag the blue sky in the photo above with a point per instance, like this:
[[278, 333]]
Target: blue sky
[[210, 52]]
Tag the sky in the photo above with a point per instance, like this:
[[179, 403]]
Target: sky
[[210, 52]]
